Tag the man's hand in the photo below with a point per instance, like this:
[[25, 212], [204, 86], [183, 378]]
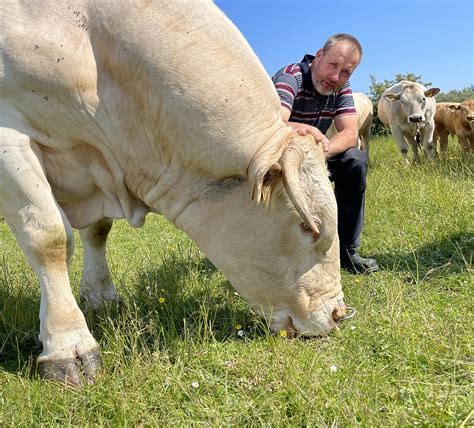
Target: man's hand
[[303, 129]]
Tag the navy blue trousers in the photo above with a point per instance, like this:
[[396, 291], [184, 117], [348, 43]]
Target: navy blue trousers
[[348, 171]]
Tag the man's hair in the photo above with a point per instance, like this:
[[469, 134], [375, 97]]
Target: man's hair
[[343, 37]]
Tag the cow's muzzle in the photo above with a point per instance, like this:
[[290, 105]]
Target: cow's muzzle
[[415, 118], [343, 313]]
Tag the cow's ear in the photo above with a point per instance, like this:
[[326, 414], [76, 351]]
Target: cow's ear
[[392, 97], [272, 176], [264, 185], [273, 173], [431, 92]]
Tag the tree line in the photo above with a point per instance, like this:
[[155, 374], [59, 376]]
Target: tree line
[[376, 89]]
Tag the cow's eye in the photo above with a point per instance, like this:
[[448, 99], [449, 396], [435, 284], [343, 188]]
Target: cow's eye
[[305, 228]]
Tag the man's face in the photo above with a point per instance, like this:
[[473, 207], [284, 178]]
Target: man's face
[[330, 71]]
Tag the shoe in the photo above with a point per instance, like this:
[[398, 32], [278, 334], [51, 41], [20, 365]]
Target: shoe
[[354, 263]]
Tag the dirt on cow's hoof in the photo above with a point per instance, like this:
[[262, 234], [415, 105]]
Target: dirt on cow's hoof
[[72, 372]]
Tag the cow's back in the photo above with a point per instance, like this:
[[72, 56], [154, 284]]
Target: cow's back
[[91, 70], [364, 109]]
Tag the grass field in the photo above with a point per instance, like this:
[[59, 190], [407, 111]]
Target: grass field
[[174, 356]]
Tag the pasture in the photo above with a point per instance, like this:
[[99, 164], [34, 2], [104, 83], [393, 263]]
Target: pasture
[[184, 349]]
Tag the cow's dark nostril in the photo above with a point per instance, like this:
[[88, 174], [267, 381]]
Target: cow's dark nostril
[[415, 118], [290, 327], [338, 313]]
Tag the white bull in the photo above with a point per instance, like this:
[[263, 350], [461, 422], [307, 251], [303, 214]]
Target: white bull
[[408, 109], [109, 111], [365, 114]]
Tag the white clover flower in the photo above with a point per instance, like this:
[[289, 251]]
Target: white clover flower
[[333, 368], [195, 385]]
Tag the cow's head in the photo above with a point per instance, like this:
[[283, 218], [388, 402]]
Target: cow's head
[[280, 250], [466, 109], [413, 101]]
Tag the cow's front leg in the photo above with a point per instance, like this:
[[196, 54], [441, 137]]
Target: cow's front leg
[[414, 147], [442, 136], [397, 134], [466, 143], [46, 238], [96, 283], [428, 147]]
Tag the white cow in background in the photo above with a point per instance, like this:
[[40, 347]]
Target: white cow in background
[[365, 114], [110, 111], [408, 109]]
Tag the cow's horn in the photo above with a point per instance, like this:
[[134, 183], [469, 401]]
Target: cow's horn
[[290, 163]]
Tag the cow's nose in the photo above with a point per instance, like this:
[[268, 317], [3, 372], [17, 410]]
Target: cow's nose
[[338, 313], [415, 118], [469, 118]]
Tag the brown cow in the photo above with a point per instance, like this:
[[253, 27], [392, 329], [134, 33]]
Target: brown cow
[[455, 119]]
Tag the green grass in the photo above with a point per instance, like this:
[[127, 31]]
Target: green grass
[[404, 360]]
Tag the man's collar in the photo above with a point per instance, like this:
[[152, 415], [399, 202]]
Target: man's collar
[[306, 72]]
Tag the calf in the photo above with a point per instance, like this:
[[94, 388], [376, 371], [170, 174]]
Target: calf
[[455, 119]]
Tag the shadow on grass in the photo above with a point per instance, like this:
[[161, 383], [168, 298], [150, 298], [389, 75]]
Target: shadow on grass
[[19, 327], [184, 300], [449, 256], [167, 305]]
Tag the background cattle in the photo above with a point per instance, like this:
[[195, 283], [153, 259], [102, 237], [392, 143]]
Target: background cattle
[[365, 114], [455, 119], [408, 109], [107, 112]]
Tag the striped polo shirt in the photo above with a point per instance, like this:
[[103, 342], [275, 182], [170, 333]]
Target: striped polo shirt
[[296, 91]]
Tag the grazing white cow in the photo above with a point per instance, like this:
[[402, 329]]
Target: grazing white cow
[[455, 119], [365, 114], [408, 109], [110, 111]]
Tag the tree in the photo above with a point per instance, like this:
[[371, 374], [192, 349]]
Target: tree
[[456, 96], [376, 89]]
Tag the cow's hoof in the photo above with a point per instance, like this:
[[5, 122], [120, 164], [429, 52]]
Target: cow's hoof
[[92, 303], [72, 371]]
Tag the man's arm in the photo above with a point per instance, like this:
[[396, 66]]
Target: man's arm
[[346, 136], [303, 129]]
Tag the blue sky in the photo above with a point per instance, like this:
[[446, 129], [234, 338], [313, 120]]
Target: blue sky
[[431, 38]]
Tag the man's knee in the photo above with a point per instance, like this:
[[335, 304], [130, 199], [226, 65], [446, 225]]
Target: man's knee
[[356, 165]]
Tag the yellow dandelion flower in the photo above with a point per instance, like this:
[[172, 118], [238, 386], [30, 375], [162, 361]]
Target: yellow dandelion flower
[[238, 327], [161, 300], [283, 333]]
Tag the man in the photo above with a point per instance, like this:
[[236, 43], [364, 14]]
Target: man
[[313, 93]]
